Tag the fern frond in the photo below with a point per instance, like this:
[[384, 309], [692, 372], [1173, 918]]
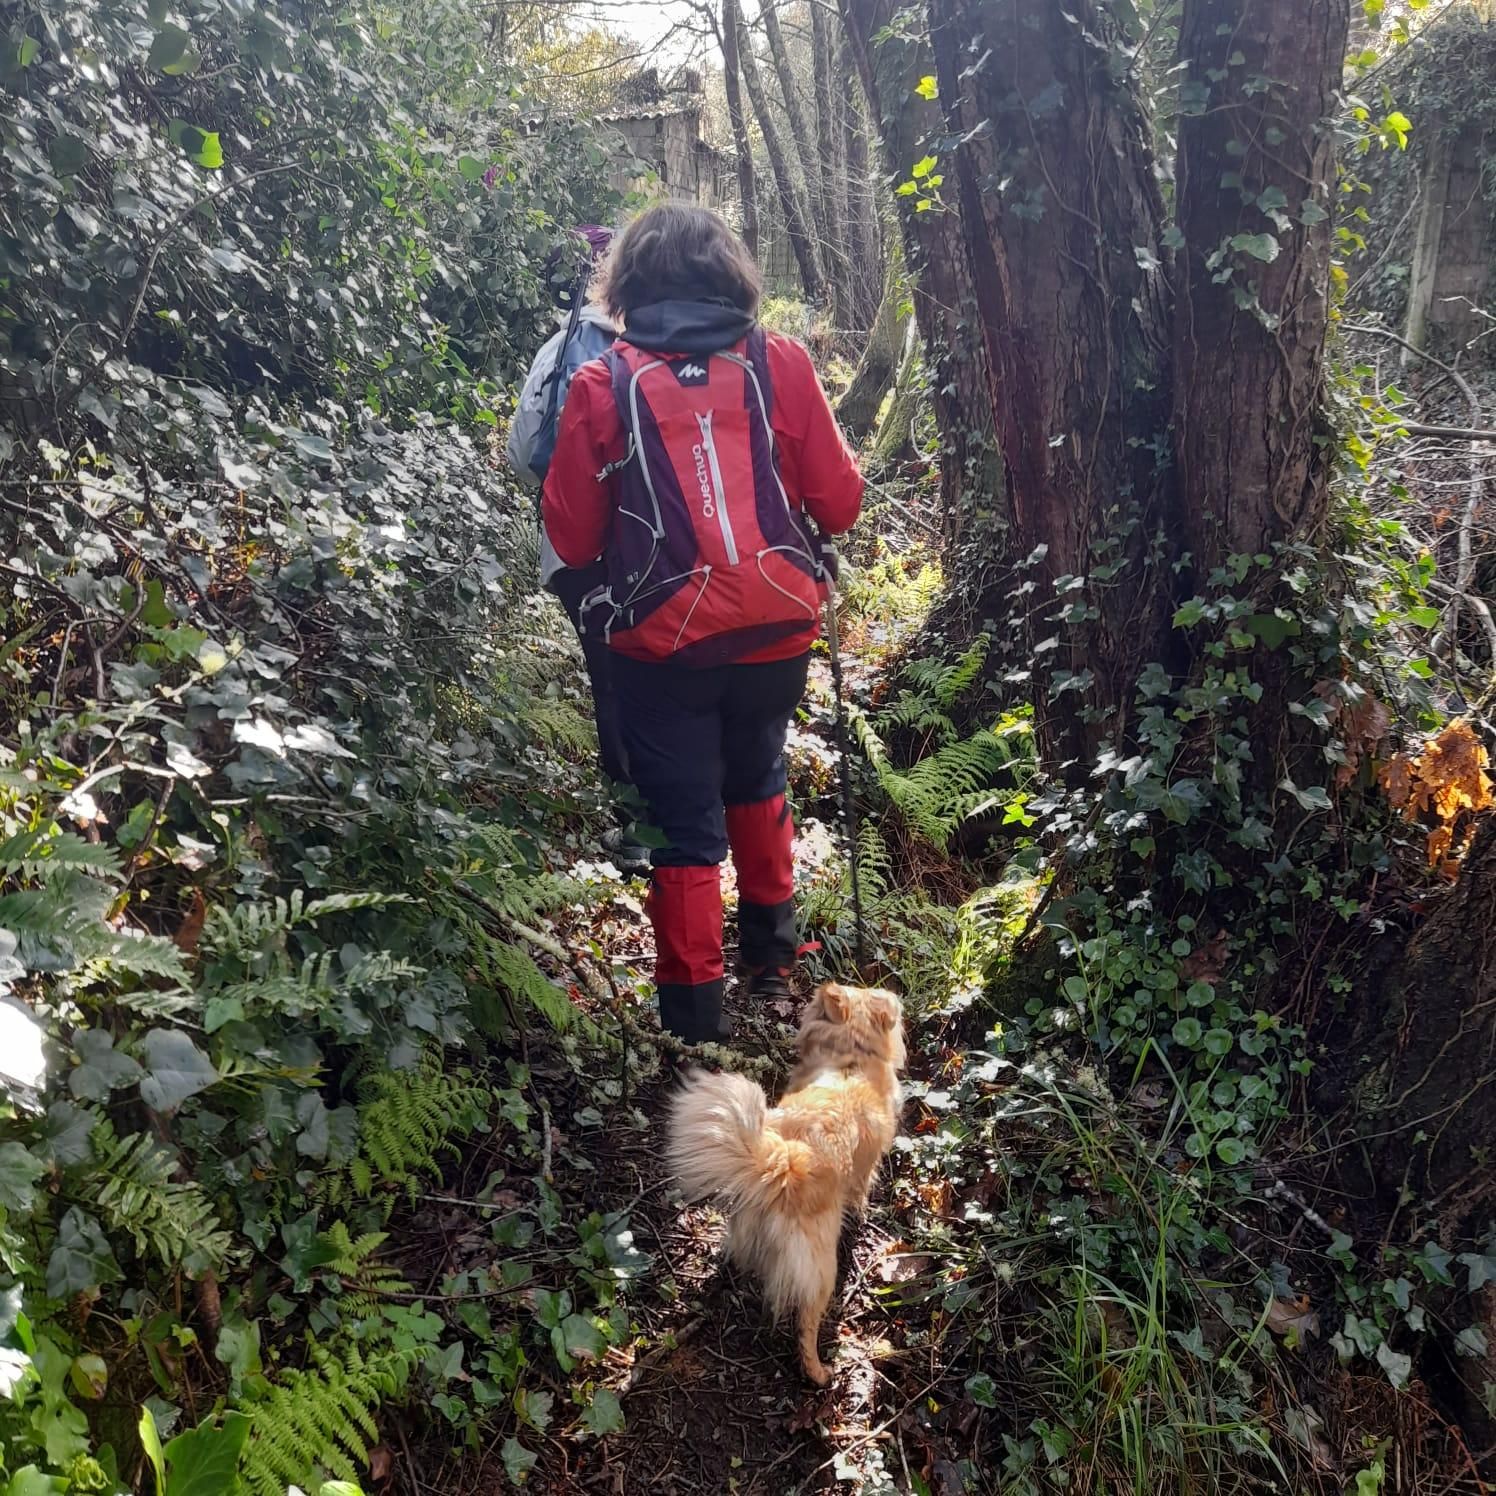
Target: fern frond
[[408, 1118], [321, 1419], [516, 972], [44, 852], [133, 1186], [365, 1284]]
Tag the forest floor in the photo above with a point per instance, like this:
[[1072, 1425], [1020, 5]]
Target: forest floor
[[1002, 1320]]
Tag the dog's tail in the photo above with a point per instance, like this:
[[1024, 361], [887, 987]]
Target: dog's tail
[[721, 1143]]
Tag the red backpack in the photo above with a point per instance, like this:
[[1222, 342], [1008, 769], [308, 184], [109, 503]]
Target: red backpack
[[708, 559]]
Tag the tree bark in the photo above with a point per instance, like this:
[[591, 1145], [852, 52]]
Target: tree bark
[[829, 151], [742, 145], [864, 245], [895, 436], [1252, 447], [857, 410], [1428, 1142], [1253, 274], [1062, 222], [891, 64], [800, 136], [796, 224]]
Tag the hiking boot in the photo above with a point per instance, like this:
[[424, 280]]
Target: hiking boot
[[770, 984], [627, 851]]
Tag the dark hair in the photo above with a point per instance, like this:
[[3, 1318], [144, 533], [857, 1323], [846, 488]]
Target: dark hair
[[673, 252]]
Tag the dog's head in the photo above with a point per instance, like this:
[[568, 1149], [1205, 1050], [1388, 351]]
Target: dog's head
[[851, 1022]]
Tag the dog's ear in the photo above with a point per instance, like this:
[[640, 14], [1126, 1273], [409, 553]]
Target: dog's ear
[[835, 1001], [885, 1010]]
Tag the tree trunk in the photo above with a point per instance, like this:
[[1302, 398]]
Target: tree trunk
[[1434, 180], [858, 409], [1073, 307], [865, 258], [742, 145], [891, 65], [895, 437], [800, 136], [796, 224], [834, 166], [1252, 446], [1253, 276], [1428, 1141]]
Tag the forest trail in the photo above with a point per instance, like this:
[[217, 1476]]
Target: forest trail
[[710, 1389]]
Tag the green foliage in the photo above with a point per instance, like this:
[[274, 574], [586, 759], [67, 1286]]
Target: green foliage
[[279, 704], [321, 1418], [408, 1118]]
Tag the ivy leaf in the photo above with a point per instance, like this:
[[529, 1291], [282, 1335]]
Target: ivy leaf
[[1481, 1266], [580, 1338], [81, 1260], [102, 1069], [177, 1069], [982, 1390], [1397, 1366], [923, 167], [168, 47], [927, 87], [1471, 1341], [551, 1308], [518, 1461], [604, 1413], [201, 146], [19, 1171], [1314, 797], [1262, 247], [67, 1132]]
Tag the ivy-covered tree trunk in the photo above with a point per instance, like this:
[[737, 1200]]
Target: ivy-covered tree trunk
[[1062, 226], [796, 220], [1252, 276], [857, 410], [742, 145], [1429, 1031], [891, 65]]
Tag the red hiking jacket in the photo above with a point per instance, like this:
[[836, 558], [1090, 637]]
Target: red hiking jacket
[[818, 469]]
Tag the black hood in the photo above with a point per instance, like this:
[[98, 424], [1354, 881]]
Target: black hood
[[686, 326]]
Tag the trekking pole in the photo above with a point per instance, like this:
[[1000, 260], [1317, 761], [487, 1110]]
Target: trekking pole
[[849, 807]]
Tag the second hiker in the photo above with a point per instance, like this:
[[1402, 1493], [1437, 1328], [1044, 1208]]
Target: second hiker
[[700, 458]]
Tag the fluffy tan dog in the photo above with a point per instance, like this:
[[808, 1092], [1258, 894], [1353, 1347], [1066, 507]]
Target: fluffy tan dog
[[789, 1173]]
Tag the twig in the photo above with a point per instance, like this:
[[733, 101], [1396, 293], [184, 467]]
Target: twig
[[653, 1357]]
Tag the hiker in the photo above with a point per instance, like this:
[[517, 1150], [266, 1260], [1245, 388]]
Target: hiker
[[700, 456], [587, 333]]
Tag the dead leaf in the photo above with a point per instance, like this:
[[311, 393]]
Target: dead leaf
[[380, 1460], [190, 931], [903, 1267], [1448, 781], [937, 1195], [1206, 962], [1292, 1317]]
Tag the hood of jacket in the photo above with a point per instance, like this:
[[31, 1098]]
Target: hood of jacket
[[686, 326]]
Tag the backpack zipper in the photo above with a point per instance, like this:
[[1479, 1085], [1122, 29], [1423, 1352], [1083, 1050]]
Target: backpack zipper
[[719, 501]]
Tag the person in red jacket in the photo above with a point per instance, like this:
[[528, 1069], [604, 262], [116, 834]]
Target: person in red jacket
[[700, 459]]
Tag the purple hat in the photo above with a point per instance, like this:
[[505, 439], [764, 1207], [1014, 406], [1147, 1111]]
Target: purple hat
[[600, 238], [560, 265]]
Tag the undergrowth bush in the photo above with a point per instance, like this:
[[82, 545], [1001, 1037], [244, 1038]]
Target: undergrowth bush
[[283, 734]]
